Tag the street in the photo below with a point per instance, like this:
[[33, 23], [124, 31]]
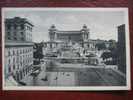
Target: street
[[62, 79], [77, 76]]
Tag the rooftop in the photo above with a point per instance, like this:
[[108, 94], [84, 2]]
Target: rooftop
[[17, 20]]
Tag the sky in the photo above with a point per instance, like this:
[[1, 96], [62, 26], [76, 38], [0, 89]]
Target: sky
[[102, 24]]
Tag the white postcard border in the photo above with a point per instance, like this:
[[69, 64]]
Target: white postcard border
[[70, 88]]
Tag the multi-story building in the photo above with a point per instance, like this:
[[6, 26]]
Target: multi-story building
[[18, 48], [121, 48], [18, 29]]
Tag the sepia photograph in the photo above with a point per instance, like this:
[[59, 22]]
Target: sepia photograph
[[65, 49]]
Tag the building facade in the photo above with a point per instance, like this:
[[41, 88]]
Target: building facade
[[18, 59], [18, 48], [121, 48], [66, 36], [18, 29]]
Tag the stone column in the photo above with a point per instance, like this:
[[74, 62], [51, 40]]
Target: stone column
[[55, 36]]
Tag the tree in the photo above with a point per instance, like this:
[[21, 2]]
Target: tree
[[101, 46], [113, 45], [106, 55], [38, 53]]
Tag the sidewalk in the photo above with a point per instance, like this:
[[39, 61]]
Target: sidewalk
[[28, 80], [36, 81]]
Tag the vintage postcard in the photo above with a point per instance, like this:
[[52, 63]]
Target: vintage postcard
[[65, 49]]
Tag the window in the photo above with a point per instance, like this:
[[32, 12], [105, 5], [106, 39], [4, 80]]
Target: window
[[22, 27], [22, 38], [22, 33], [9, 61], [9, 53], [15, 26], [31, 29], [20, 51], [18, 66], [13, 52], [9, 69], [15, 34], [13, 66], [8, 27], [15, 38], [9, 38], [21, 63], [8, 33], [17, 52], [20, 58], [88, 45], [13, 60]]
